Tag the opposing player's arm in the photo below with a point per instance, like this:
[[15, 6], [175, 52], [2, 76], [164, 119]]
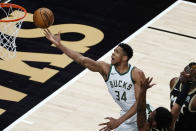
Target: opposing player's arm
[[141, 101], [89, 63], [138, 78], [175, 111], [142, 123], [143, 85]]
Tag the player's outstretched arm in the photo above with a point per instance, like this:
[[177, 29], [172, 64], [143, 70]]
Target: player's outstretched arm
[[56, 40], [141, 105], [76, 56]]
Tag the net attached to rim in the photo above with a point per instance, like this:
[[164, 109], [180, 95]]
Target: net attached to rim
[[11, 18]]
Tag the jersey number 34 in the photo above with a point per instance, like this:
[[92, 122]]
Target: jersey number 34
[[120, 97]]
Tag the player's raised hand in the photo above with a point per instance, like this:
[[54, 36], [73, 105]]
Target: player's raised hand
[[147, 83], [55, 39]]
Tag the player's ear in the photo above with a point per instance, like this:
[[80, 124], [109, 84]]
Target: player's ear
[[125, 58]]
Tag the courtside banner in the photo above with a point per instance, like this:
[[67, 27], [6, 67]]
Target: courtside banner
[[91, 27]]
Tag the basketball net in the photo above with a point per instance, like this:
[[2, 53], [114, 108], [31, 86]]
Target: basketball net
[[10, 25]]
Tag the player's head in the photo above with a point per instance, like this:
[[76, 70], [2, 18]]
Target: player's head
[[190, 69], [122, 53], [190, 66], [193, 72], [160, 118]]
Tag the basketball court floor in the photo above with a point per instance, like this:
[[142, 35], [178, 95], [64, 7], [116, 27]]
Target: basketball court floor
[[163, 46]]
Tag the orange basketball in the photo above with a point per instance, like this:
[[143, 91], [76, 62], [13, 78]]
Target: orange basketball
[[43, 17]]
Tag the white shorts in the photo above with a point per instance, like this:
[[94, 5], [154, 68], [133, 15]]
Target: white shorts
[[127, 127], [131, 123]]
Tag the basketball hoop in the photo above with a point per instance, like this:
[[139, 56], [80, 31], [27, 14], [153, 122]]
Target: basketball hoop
[[10, 24]]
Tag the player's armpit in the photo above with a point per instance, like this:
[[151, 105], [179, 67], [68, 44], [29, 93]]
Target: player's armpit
[[175, 111], [90, 64]]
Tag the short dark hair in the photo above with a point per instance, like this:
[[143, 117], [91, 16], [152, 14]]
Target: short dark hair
[[163, 118], [127, 49], [192, 64], [189, 66]]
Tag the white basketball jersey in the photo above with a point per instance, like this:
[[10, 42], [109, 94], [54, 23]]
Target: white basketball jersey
[[121, 87]]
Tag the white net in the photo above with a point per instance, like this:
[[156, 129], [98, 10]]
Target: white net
[[9, 26]]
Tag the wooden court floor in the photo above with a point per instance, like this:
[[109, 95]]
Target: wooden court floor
[[161, 50]]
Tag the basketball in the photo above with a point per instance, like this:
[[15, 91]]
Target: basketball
[[43, 18]]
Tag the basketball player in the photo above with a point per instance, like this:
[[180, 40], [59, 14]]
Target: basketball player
[[159, 119], [187, 115], [122, 80]]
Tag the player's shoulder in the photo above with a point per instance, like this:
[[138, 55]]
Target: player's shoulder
[[137, 71], [173, 81], [104, 66], [137, 74]]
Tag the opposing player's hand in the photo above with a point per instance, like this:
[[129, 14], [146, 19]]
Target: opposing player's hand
[[110, 125], [55, 39], [147, 83]]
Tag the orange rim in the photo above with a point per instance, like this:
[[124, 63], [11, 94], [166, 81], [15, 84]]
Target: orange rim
[[13, 6]]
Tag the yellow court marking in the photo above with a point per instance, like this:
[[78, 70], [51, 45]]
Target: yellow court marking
[[10, 94]]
